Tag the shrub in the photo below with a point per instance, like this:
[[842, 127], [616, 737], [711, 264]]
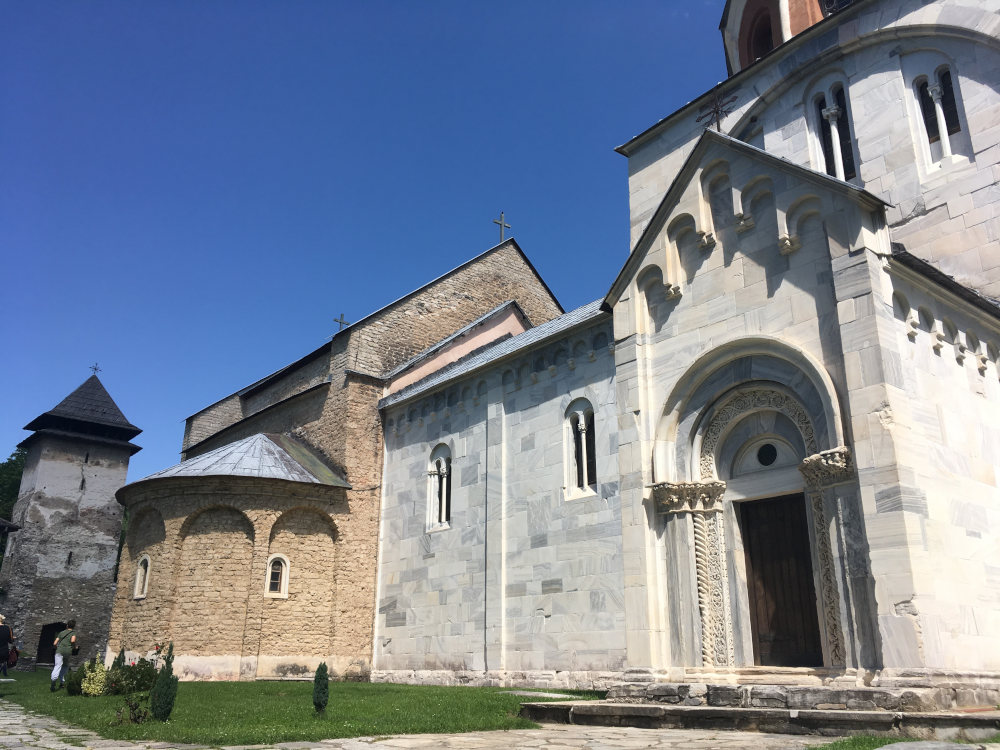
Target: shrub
[[321, 688], [95, 680], [74, 680], [119, 660], [161, 697], [137, 677]]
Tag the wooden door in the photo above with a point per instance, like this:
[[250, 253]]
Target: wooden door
[[780, 583]]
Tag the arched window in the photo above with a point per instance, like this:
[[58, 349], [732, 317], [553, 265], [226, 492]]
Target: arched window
[[141, 578], [833, 125], [939, 112], [276, 585], [439, 489], [761, 40], [581, 448]]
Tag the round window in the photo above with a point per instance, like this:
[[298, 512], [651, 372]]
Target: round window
[[767, 454]]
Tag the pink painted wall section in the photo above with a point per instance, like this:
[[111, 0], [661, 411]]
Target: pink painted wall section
[[489, 330]]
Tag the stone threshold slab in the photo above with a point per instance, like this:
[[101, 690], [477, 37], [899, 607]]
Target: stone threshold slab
[[903, 724]]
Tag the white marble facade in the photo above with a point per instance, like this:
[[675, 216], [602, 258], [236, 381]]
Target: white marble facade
[[767, 309]]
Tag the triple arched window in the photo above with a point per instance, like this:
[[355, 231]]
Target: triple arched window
[[439, 489]]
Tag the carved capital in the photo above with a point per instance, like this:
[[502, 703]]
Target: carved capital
[[827, 468], [936, 91], [831, 114], [689, 497]]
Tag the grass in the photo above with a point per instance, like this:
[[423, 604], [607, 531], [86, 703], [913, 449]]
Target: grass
[[253, 713], [865, 742]]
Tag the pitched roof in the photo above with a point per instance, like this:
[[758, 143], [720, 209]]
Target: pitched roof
[[687, 171], [88, 410], [260, 456], [502, 349], [899, 253]]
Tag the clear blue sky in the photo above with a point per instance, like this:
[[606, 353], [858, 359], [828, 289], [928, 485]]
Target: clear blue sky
[[191, 192]]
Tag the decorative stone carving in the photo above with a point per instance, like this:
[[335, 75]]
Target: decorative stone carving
[[689, 497], [788, 244], [827, 468], [828, 580], [746, 401], [673, 291], [706, 240]]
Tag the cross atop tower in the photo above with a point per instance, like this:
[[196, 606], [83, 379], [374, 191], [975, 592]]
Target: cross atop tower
[[502, 225], [95, 369], [342, 322]]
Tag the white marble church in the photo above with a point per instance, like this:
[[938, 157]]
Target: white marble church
[[769, 452], [773, 445]]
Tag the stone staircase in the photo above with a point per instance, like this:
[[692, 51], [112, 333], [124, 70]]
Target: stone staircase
[[926, 713]]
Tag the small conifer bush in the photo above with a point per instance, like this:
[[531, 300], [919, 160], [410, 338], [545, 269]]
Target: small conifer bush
[[321, 688], [74, 680], [119, 660], [164, 692]]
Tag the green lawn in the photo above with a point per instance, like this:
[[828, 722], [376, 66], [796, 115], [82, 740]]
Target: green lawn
[[870, 743], [251, 713]]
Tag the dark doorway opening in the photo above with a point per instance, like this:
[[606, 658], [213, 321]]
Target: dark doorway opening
[[780, 585], [46, 653]]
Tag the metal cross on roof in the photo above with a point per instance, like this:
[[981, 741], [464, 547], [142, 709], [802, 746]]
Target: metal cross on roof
[[95, 369], [342, 322], [502, 225], [717, 109]]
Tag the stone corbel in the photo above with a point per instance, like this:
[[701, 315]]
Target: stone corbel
[[689, 497], [789, 243], [673, 291], [828, 468], [744, 223], [912, 325], [981, 362], [706, 240]]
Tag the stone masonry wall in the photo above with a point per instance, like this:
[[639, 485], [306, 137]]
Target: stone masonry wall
[[526, 577], [61, 564], [208, 571]]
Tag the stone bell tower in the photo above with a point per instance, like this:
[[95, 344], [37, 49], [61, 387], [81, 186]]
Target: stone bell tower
[[61, 564]]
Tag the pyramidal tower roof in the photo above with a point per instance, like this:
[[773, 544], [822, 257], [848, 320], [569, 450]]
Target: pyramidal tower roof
[[89, 410]]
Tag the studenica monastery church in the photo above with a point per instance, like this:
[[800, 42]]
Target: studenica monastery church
[[770, 451]]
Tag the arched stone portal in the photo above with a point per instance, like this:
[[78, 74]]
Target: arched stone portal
[[759, 508]]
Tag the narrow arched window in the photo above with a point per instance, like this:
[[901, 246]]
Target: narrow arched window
[[439, 488], [581, 447], [276, 585], [761, 37], [834, 128], [141, 578]]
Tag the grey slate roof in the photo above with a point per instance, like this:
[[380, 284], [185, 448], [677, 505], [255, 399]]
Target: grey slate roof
[[487, 356], [261, 456], [90, 404], [978, 299]]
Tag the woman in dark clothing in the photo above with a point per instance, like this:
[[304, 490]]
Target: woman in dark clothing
[[6, 639]]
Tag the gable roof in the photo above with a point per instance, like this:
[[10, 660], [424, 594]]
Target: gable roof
[[260, 456], [327, 346], [89, 410], [492, 353], [431, 350], [708, 139]]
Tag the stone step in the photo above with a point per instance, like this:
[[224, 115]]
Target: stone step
[[939, 725], [811, 697]]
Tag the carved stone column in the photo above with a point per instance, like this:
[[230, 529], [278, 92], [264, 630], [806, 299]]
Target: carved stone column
[[703, 501], [822, 471]]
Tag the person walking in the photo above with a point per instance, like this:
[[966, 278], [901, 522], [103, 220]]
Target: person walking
[[65, 644], [6, 641]]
